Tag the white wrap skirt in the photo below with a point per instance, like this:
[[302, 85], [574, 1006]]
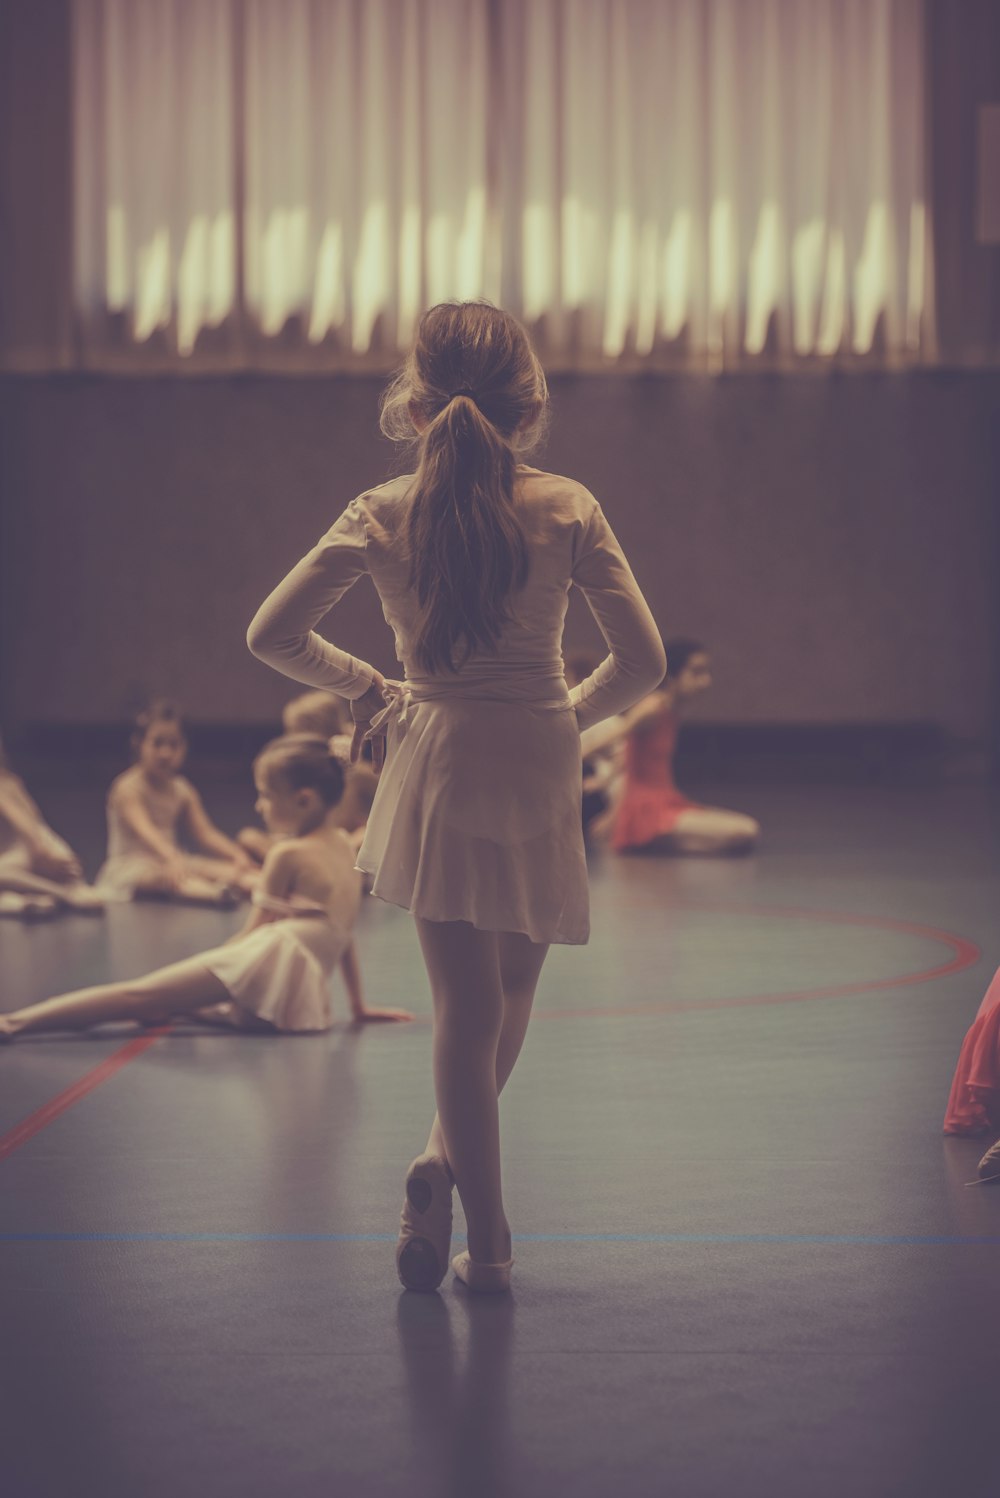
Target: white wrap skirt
[[477, 813]]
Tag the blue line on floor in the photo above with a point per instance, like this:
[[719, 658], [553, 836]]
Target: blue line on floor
[[874, 1239]]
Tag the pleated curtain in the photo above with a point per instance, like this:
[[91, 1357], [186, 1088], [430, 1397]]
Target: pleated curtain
[[703, 184]]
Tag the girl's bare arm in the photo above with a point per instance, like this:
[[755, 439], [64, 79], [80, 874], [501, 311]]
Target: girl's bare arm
[[203, 831]]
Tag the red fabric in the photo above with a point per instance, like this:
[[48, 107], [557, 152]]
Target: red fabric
[[974, 1103], [651, 802]]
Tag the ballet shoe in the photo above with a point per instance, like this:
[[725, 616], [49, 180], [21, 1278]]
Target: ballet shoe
[[989, 1165], [86, 901], [28, 907], [425, 1224], [484, 1279]]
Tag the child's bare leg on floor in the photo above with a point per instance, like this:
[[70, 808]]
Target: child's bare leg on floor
[[27, 907], [191, 889], [74, 893], [709, 830], [520, 967], [214, 870], [179, 989]]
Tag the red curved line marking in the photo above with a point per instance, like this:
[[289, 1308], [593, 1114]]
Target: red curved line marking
[[28, 1127], [965, 954]]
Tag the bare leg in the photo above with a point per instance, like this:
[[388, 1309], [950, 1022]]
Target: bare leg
[[192, 890], [463, 965], [74, 893], [214, 870], [708, 830], [178, 989], [27, 907], [520, 966]]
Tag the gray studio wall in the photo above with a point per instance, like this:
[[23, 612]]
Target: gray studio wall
[[832, 538]]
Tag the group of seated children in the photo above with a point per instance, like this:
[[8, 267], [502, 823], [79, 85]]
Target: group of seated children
[[163, 844], [298, 870], [274, 974]]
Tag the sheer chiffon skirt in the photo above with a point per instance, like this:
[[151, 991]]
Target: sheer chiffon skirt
[[280, 974], [477, 817]]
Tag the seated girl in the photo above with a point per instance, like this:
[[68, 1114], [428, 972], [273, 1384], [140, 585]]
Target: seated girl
[[151, 807], [39, 872], [653, 816], [274, 975], [323, 714]]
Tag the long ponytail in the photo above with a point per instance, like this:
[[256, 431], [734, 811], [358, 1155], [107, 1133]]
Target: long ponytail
[[480, 396]]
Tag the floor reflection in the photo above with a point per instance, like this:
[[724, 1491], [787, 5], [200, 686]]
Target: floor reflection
[[459, 1412]]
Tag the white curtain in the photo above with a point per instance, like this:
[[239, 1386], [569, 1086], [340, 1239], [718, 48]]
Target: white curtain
[[651, 183], [154, 179]]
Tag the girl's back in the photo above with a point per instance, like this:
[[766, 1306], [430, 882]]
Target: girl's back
[[317, 869], [568, 542]]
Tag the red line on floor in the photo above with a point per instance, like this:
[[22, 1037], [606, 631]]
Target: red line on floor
[[44, 1115], [964, 954]]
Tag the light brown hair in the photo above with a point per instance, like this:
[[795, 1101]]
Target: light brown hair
[[302, 761], [473, 378], [318, 713]]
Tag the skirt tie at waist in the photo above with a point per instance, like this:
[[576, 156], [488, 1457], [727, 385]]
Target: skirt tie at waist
[[400, 697]]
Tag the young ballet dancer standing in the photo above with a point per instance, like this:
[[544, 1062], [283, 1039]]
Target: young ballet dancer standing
[[475, 827], [274, 975], [149, 805]]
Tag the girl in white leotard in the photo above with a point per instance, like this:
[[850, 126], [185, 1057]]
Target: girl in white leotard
[[475, 826]]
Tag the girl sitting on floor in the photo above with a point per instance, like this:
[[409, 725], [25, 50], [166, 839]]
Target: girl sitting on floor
[[39, 872], [653, 816], [323, 714], [273, 976], [150, 807]]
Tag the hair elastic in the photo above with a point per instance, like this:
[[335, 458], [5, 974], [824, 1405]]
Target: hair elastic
[[465, 391]]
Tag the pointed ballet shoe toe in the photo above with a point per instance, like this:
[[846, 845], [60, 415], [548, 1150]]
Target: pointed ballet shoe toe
[[425, 1224], [989, 1165], [484, 1279]]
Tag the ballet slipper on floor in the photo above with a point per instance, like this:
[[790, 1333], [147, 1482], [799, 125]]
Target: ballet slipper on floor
[[486, 1279], [85, 900], [425, 1224], [27, 907], [989, 1165]]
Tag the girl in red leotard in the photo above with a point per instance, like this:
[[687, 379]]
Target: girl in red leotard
[[653, 815]]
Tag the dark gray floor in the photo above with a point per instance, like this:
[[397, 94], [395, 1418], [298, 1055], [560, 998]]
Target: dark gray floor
[[746, 1262]]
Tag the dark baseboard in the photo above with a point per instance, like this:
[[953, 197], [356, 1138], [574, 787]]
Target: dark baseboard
[[912, 754]]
